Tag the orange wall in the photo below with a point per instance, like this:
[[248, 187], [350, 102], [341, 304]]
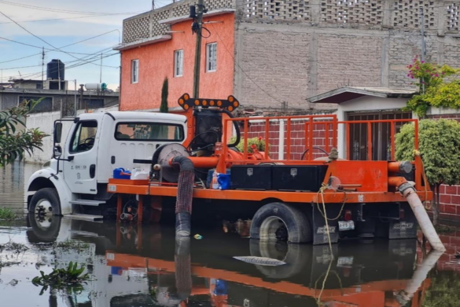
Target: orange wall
[[156, 61]]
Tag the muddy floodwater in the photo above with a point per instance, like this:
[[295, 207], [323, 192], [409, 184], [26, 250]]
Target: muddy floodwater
[[134, 265]]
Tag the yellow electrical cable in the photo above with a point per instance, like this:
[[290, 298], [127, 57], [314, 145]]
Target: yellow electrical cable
[[324, 187], [341, 209]]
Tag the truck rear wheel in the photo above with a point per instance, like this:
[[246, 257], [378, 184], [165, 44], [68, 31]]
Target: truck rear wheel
[[281, 222], [296, 257]]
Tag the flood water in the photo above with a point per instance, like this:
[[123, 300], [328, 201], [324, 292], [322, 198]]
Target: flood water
[[132, 266]]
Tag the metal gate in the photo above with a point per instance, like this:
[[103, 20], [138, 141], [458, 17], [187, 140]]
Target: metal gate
[[381, 134]]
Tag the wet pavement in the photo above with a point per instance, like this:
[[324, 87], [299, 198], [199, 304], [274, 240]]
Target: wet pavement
[[134, 265]]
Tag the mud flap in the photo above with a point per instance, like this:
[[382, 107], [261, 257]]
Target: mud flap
[[320, 235], [405, 228]]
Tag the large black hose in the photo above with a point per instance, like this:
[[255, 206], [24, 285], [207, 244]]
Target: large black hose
[[237, 129], [183, 272], [184, 195]]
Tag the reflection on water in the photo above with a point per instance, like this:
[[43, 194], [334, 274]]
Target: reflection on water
[[138, 266], [13, 178]]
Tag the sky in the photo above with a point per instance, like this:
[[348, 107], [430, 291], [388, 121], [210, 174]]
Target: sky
[[56, 24]]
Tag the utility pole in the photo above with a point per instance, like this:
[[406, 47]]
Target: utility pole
[[197, 14], [43, 67], [75, 100], [100, 77], [59, 74], [81, 98]]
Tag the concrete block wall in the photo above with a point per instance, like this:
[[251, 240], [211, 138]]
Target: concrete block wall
[[291, 50]]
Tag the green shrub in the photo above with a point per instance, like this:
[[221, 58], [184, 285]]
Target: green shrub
[[257, 141], [439, 143], [7, 214]]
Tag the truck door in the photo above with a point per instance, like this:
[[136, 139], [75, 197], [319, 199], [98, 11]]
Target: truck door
[[80, 173]]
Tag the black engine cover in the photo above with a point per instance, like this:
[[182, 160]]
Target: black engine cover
[[208, 128]]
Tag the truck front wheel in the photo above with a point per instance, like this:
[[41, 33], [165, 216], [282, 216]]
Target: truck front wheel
[[281, 222], [45, 202]]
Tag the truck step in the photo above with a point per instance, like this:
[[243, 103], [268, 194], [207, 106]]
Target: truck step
[[84, 217], [87, 202]]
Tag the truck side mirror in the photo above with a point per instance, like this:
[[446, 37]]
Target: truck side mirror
[[57, 152], [57, 133]]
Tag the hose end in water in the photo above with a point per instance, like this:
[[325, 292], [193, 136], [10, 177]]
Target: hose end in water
[[183, 224]]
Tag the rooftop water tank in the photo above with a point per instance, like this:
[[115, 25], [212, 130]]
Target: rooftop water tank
[[55, 70]]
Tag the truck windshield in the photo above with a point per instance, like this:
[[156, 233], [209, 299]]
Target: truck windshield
[[149, 132]]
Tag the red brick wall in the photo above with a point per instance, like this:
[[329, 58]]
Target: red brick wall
[[447, 262], [298, 138]]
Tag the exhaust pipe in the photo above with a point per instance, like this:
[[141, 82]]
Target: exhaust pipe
[[184, 195]]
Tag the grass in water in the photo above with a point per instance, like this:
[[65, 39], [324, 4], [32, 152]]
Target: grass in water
[[7, 214]]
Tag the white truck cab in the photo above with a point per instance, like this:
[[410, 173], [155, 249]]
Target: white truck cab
[[96, 144]]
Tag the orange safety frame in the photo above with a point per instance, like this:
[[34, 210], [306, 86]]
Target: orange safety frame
[[224, 157]]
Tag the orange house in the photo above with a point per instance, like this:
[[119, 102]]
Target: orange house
[[146, 63]]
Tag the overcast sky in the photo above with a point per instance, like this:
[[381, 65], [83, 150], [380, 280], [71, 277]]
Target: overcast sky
[[74, 21]]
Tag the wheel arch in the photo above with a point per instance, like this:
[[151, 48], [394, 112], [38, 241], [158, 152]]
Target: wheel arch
[[45, 179]]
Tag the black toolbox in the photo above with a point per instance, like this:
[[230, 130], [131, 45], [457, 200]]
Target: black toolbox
[[298, 177], [251, 177]]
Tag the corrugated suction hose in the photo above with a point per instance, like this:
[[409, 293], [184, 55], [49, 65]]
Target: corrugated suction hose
[[184, 195]]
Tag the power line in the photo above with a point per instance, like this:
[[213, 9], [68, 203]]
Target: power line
[[19, 67], [78, 42], [38, 37], [77, 63], [87, 58], [48, 9], [38, 47], [68, 18], [21, 58]]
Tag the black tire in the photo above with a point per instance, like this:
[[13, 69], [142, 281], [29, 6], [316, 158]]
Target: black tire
[[270, 218], [38, 234], [45, 222], [296, 257], [46, 194]]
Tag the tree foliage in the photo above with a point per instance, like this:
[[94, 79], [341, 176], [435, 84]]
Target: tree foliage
[[439, 143], [164, 96], [434, 90], [14, 143], [443, 290]]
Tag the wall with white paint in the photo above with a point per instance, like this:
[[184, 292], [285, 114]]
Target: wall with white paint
[[45, 123], [363, 104]]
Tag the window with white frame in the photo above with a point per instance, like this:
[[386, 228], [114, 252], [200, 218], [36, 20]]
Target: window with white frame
[[211, 57], [134, 71], [178, 63]]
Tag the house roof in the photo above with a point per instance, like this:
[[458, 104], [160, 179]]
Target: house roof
[[348, 93], [174, 20], [143, 42]]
